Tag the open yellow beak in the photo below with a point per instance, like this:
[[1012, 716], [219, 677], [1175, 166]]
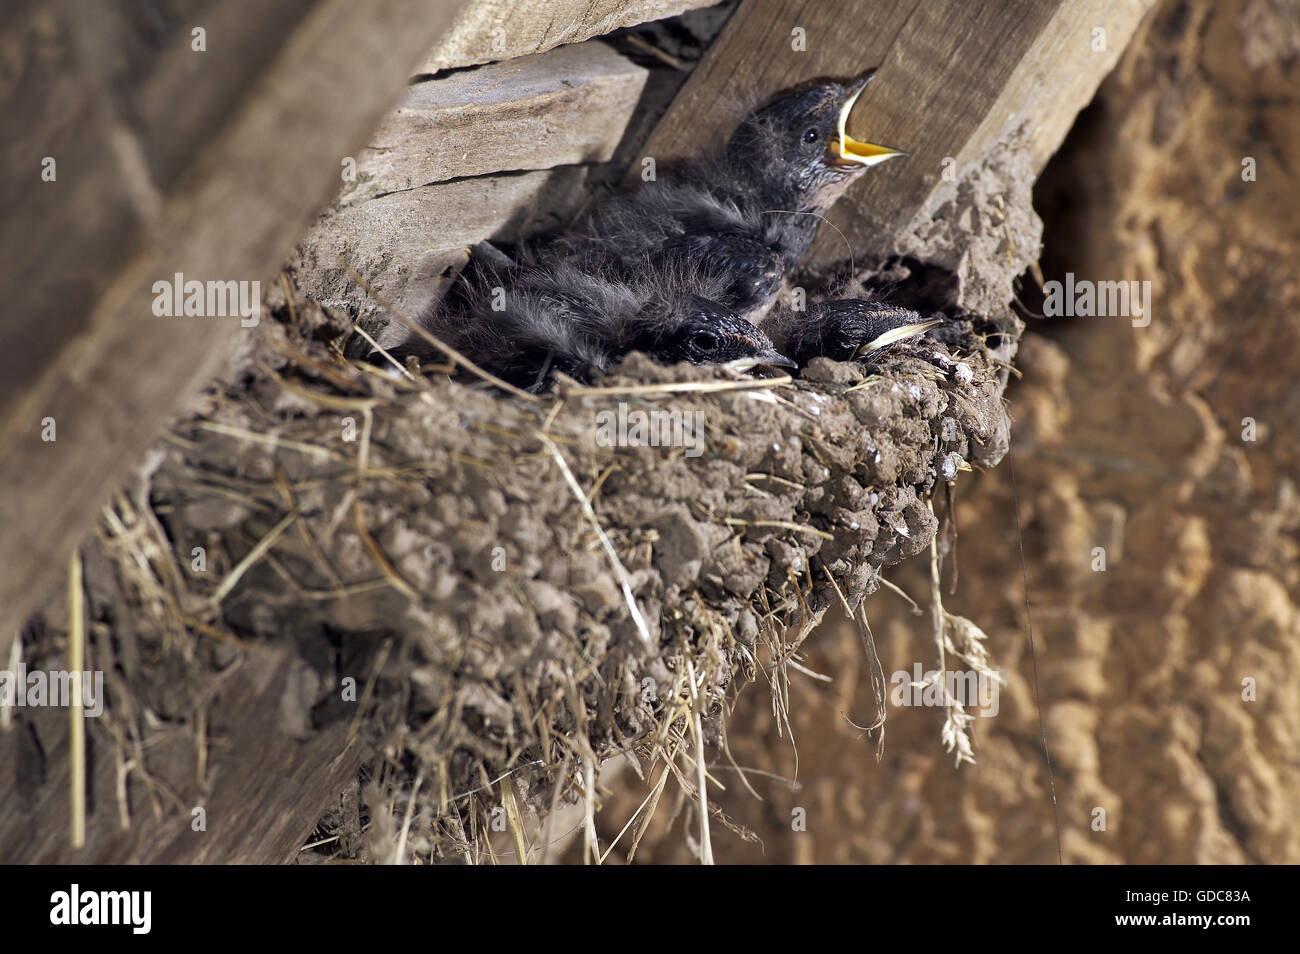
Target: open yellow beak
[[848, 151], [852, 152]]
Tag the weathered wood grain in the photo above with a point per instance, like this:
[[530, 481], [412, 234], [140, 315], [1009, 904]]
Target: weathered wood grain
[[261, 793], [491, 30], [535, 112]]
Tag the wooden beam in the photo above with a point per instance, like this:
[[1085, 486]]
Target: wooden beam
[[168, 160], [563, 107], [956, 81], [492, 30], [261, 791]]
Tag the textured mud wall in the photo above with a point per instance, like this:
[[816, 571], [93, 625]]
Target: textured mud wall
[[1129, 439]]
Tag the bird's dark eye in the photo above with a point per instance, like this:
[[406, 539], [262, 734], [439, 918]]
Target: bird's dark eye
[[810, 135], [704, 340]]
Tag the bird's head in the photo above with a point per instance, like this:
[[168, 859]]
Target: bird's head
[[707, 333], [800, 138]]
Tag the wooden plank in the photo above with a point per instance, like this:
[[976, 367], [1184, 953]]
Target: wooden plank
[[566, 106], [955, 80], [262, 791], [490, 30], [151, 184]]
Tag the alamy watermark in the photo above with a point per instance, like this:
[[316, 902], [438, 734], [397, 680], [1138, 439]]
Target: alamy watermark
[[651, 427], [133, 909], [1089, 299], [39, 688], [977, 690], [214, 299]]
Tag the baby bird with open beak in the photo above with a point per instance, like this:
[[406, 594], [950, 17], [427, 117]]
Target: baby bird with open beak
[[678, 269], [748, 216]]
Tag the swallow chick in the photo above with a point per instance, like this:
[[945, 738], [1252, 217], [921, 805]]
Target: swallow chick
[[748, 216], [674, 266], [526, 322], [845, 330]]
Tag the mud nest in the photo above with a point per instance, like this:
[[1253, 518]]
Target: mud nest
[[491, 596]]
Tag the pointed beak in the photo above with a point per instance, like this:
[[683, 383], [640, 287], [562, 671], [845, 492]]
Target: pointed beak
[[901, 333], [775, 358], [847, 151]]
